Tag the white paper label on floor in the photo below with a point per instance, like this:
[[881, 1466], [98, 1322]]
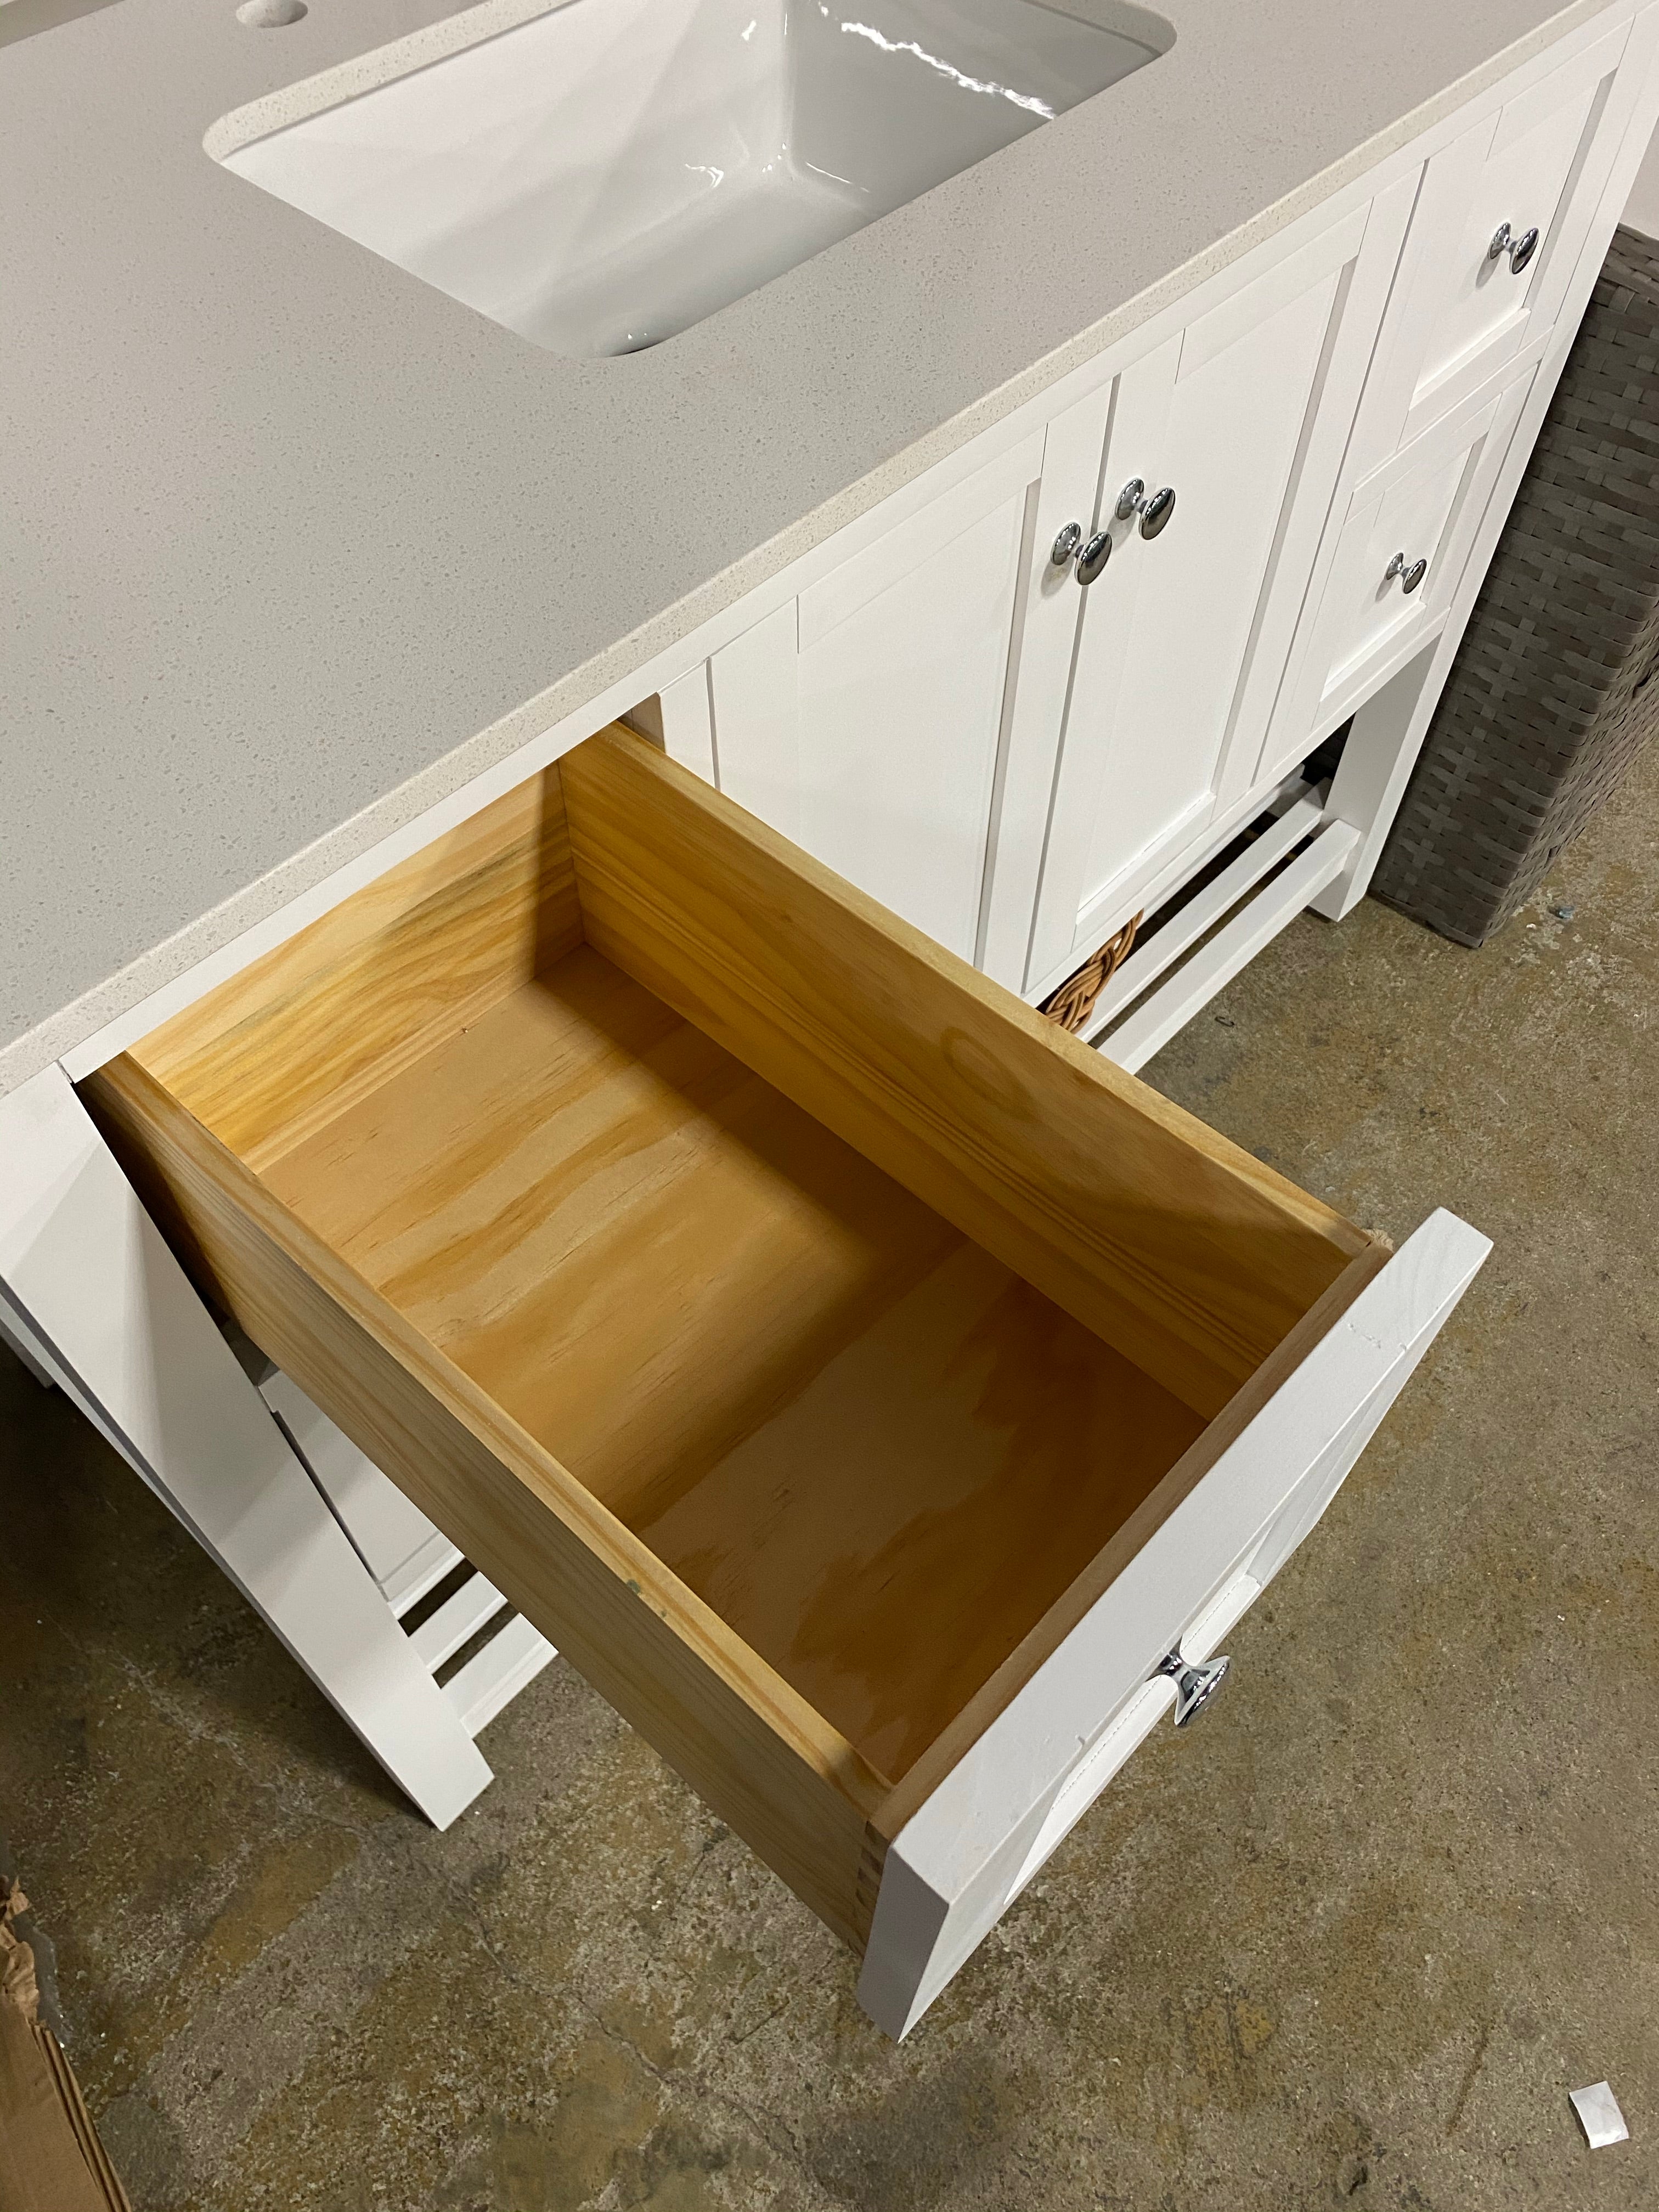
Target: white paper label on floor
[[1599, 2115]]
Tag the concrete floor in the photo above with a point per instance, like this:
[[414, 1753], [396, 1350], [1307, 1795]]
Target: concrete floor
[[1351, 1941]]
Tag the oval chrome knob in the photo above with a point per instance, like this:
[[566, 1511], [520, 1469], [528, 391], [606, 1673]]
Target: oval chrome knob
[[1520, 249], [1410, 573], [1093, 557], [1154, 508], [1065, 545], [1194, 1684]]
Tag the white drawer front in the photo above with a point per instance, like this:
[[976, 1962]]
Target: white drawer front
[[1425, 504], [1536, 165], [954, 1868]]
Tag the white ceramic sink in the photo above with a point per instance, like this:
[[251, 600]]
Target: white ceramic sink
[[612, 171]]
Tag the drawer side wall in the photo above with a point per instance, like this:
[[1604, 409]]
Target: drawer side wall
[[1184, 1253], [278, 1051], [809, 1827]]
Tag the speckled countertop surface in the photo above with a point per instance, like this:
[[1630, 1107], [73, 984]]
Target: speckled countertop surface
[[294, 544]]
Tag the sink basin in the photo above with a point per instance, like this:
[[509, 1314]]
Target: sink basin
[[609, 172]]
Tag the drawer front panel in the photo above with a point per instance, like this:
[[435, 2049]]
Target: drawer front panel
[[1529, 156], [1426, 505], [1389, 532], [952, 1870], [1538, 164]]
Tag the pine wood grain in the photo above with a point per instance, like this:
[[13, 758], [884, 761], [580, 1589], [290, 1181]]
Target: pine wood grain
[[1177, 1248], [755, 1751], [278, 1050], [877, 1453], [1000, 1688]]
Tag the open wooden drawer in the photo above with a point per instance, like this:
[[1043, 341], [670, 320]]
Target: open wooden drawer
[[862, 1382]]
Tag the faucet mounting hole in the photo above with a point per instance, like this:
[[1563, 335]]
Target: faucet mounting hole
[[270, 14]]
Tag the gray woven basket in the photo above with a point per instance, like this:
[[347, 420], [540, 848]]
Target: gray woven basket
[[1549, 699]]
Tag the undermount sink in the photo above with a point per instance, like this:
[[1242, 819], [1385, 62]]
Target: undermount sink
[[609, 172]]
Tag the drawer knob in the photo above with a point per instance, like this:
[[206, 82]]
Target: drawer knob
[[1194, 1684], [1520, 250], [1410, 573], [1154, 508], [1091, 558]]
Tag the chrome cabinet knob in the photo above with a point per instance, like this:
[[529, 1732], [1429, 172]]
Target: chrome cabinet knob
[[1520, 250], [1194, 1684], [1154, 508], [1091, 558], [1410, 573]]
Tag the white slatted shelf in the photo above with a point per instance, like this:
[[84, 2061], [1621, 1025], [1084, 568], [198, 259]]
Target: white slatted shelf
[[514, 1656], [457, 1621], [1299, 819], [408, 1558]]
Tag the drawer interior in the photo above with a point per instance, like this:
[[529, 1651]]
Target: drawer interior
[[845, 1426], [836, 1300]]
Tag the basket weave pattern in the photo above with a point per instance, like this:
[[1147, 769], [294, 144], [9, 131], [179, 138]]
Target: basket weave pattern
[[1552, 696]]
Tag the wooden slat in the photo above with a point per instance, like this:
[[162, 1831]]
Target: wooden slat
[[397, 1543], [1192, 1258], [278, 1050], [754, 1750]]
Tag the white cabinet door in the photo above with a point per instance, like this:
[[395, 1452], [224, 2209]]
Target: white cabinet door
[[1245, 414], [863, 718]]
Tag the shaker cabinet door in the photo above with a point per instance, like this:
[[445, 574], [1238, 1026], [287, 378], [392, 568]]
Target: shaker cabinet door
[[1243, 416], [862, 718]]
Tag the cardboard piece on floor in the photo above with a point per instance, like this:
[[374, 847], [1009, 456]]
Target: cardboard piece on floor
[[51, 2158]]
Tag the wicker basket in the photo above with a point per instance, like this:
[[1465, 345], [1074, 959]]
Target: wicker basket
[[1550, 698]]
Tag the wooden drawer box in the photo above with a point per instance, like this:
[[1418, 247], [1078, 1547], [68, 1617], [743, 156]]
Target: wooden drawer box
[[862, 1382]]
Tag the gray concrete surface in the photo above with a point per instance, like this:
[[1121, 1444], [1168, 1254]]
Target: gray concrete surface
[[1351, 1941], [296, 545]]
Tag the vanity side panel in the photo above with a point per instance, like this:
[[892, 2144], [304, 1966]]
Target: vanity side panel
[[1168, 1242], [756, 1755]]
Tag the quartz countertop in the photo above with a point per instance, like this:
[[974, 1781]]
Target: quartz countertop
[[295, 546]]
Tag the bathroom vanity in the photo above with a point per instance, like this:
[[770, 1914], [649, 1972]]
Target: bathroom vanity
[[983, 453]]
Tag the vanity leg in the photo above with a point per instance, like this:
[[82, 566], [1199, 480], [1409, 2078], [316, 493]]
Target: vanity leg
[[92, 1292], [1376, 763]]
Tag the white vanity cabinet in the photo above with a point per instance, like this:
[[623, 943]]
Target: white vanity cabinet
[[1018, 761], [725, 1183]]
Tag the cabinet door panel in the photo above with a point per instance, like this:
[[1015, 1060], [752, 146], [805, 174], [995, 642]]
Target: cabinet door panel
[[1230, 442], [863, 719], [900, 709]]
